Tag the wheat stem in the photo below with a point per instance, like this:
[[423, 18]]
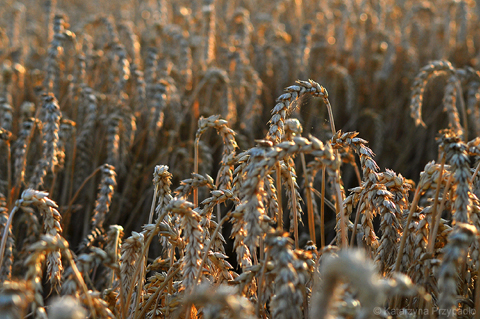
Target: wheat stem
[[357, 218], [475, 173], [308, 185], [80, 281], [140, 267], [431, 239], [9, 170], [5, 234], [195, 171], [278, 170], [295, 213], [157, 292], [322, 209], [260, 285]]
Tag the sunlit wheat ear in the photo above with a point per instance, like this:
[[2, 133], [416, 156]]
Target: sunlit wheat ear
[[244, 257], [416, 244], [238, 227], [473, 264], [473, 149], [370, 179], [428, 178], [104, 196], [281, 110], [427, 73], [193, 236], [390, 227], [34, 276], [456, 152], [34, 263], [48, 161], [241, 160], [263, 159], [251, 205], [284, 105], [130, 260], [218, 197], [246, 280], [454, 255], [113, 247], [20, 149], [162, 180], [286, 278], [55, 52], [292, 128], [190, 184], [52, 227], [450, 104], [225, 174], [399, 188]]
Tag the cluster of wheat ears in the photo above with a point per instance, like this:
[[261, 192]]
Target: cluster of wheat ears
[[275, 213]]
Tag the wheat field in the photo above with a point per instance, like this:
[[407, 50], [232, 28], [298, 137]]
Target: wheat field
[[239, 159]]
